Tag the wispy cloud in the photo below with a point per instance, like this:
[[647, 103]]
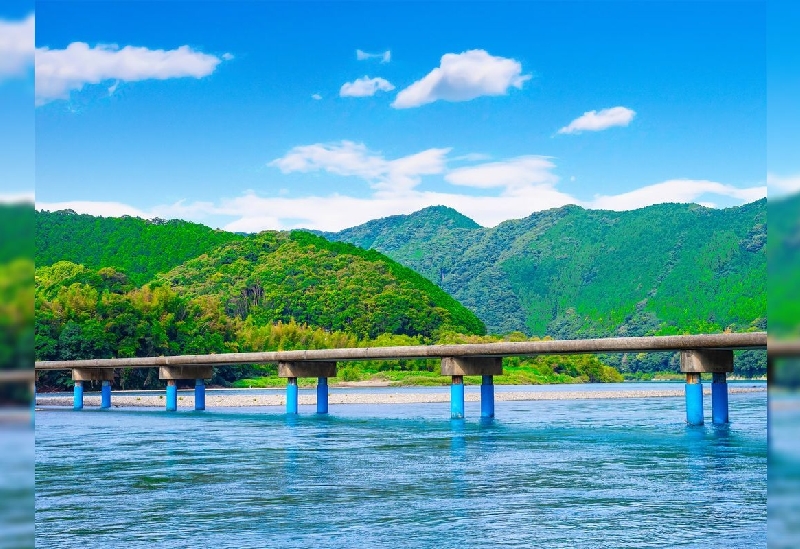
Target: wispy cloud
[[461, 77], [101, 208], [365, 87], [17, 198], [354, 159], [594, 121], [675, 190], [59, 72], [781, 185], [508, 189], [384, 57], [17, 44], [515, 173], [316, 96]]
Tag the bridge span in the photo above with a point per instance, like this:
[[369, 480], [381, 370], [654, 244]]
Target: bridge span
[[704, 353]]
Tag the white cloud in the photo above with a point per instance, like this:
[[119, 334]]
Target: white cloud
[[227, 57], [385, 57], [105, 209], [58, 72], [515, 173], [316, 96], [17, 44], [594, 121], [353, 159], [510, 189], [781, 185], [461, 77], [365, 87], [675, 190], [17, 197]]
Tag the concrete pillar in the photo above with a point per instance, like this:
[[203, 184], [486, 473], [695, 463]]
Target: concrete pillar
[[172, 374], [77, 396], [81, 375], [719, 398], [291, 395], [458, 367], [105, 395], [707, 361], [694, 400], [322, 395], [487, 396], [172, 396], [321, 370], [457, 398], [199, 394]]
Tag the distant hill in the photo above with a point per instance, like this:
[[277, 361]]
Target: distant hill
[[571, 272], [277, 276], [140, 248], [783, 255]]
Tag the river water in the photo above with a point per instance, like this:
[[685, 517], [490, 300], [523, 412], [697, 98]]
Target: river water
[[563, 473]]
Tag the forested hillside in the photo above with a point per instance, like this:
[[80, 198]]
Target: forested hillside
[[783, 254], [140, 248], [267, 292], [571, 272]]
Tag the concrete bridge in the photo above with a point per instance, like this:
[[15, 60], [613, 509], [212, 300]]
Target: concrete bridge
[[708, 353]]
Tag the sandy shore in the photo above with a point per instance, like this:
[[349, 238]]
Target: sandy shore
[[216, 400]]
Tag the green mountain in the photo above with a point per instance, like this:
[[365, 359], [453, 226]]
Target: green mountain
[[783, 260], [299, 276], [577, 273], [572, 272], [140, 248]]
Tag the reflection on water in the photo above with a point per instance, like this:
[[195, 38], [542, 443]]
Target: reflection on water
[[592, 473]]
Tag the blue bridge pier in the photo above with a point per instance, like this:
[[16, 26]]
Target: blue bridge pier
[[718, 363], [485, 366], [321, 370], [81, 375], [173, 374]]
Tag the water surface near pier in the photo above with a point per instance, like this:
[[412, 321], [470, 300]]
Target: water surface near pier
[[564, 473]]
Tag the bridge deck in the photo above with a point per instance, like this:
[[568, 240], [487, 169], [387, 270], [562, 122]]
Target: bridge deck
[[750, 340]]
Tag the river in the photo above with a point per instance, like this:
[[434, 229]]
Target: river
[[559, 473]]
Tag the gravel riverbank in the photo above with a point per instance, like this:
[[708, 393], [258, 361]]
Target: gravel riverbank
[[217, 400]]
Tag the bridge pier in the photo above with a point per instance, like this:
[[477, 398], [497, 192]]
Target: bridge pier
[[199, 394], [105, 395], [717, 362], [321, 370], [487, 396], [77, 396], [322, 395], [458, 367], [173, 374], [81, 375], [719, 398]]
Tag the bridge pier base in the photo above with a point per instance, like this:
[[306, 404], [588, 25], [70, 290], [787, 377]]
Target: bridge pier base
[[487, 396], [199, 394], [105, 395], [719, 398], [77, 396], [717, 362], [291, 395], [458, 367], [81, 375], [457, 398], [322, 395], [172, 396], [172, 374], [321, 370]]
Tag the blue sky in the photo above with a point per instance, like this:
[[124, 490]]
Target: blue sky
[[263, 115]]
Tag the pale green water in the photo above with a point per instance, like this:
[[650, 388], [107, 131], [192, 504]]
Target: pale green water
[[591, 473]]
